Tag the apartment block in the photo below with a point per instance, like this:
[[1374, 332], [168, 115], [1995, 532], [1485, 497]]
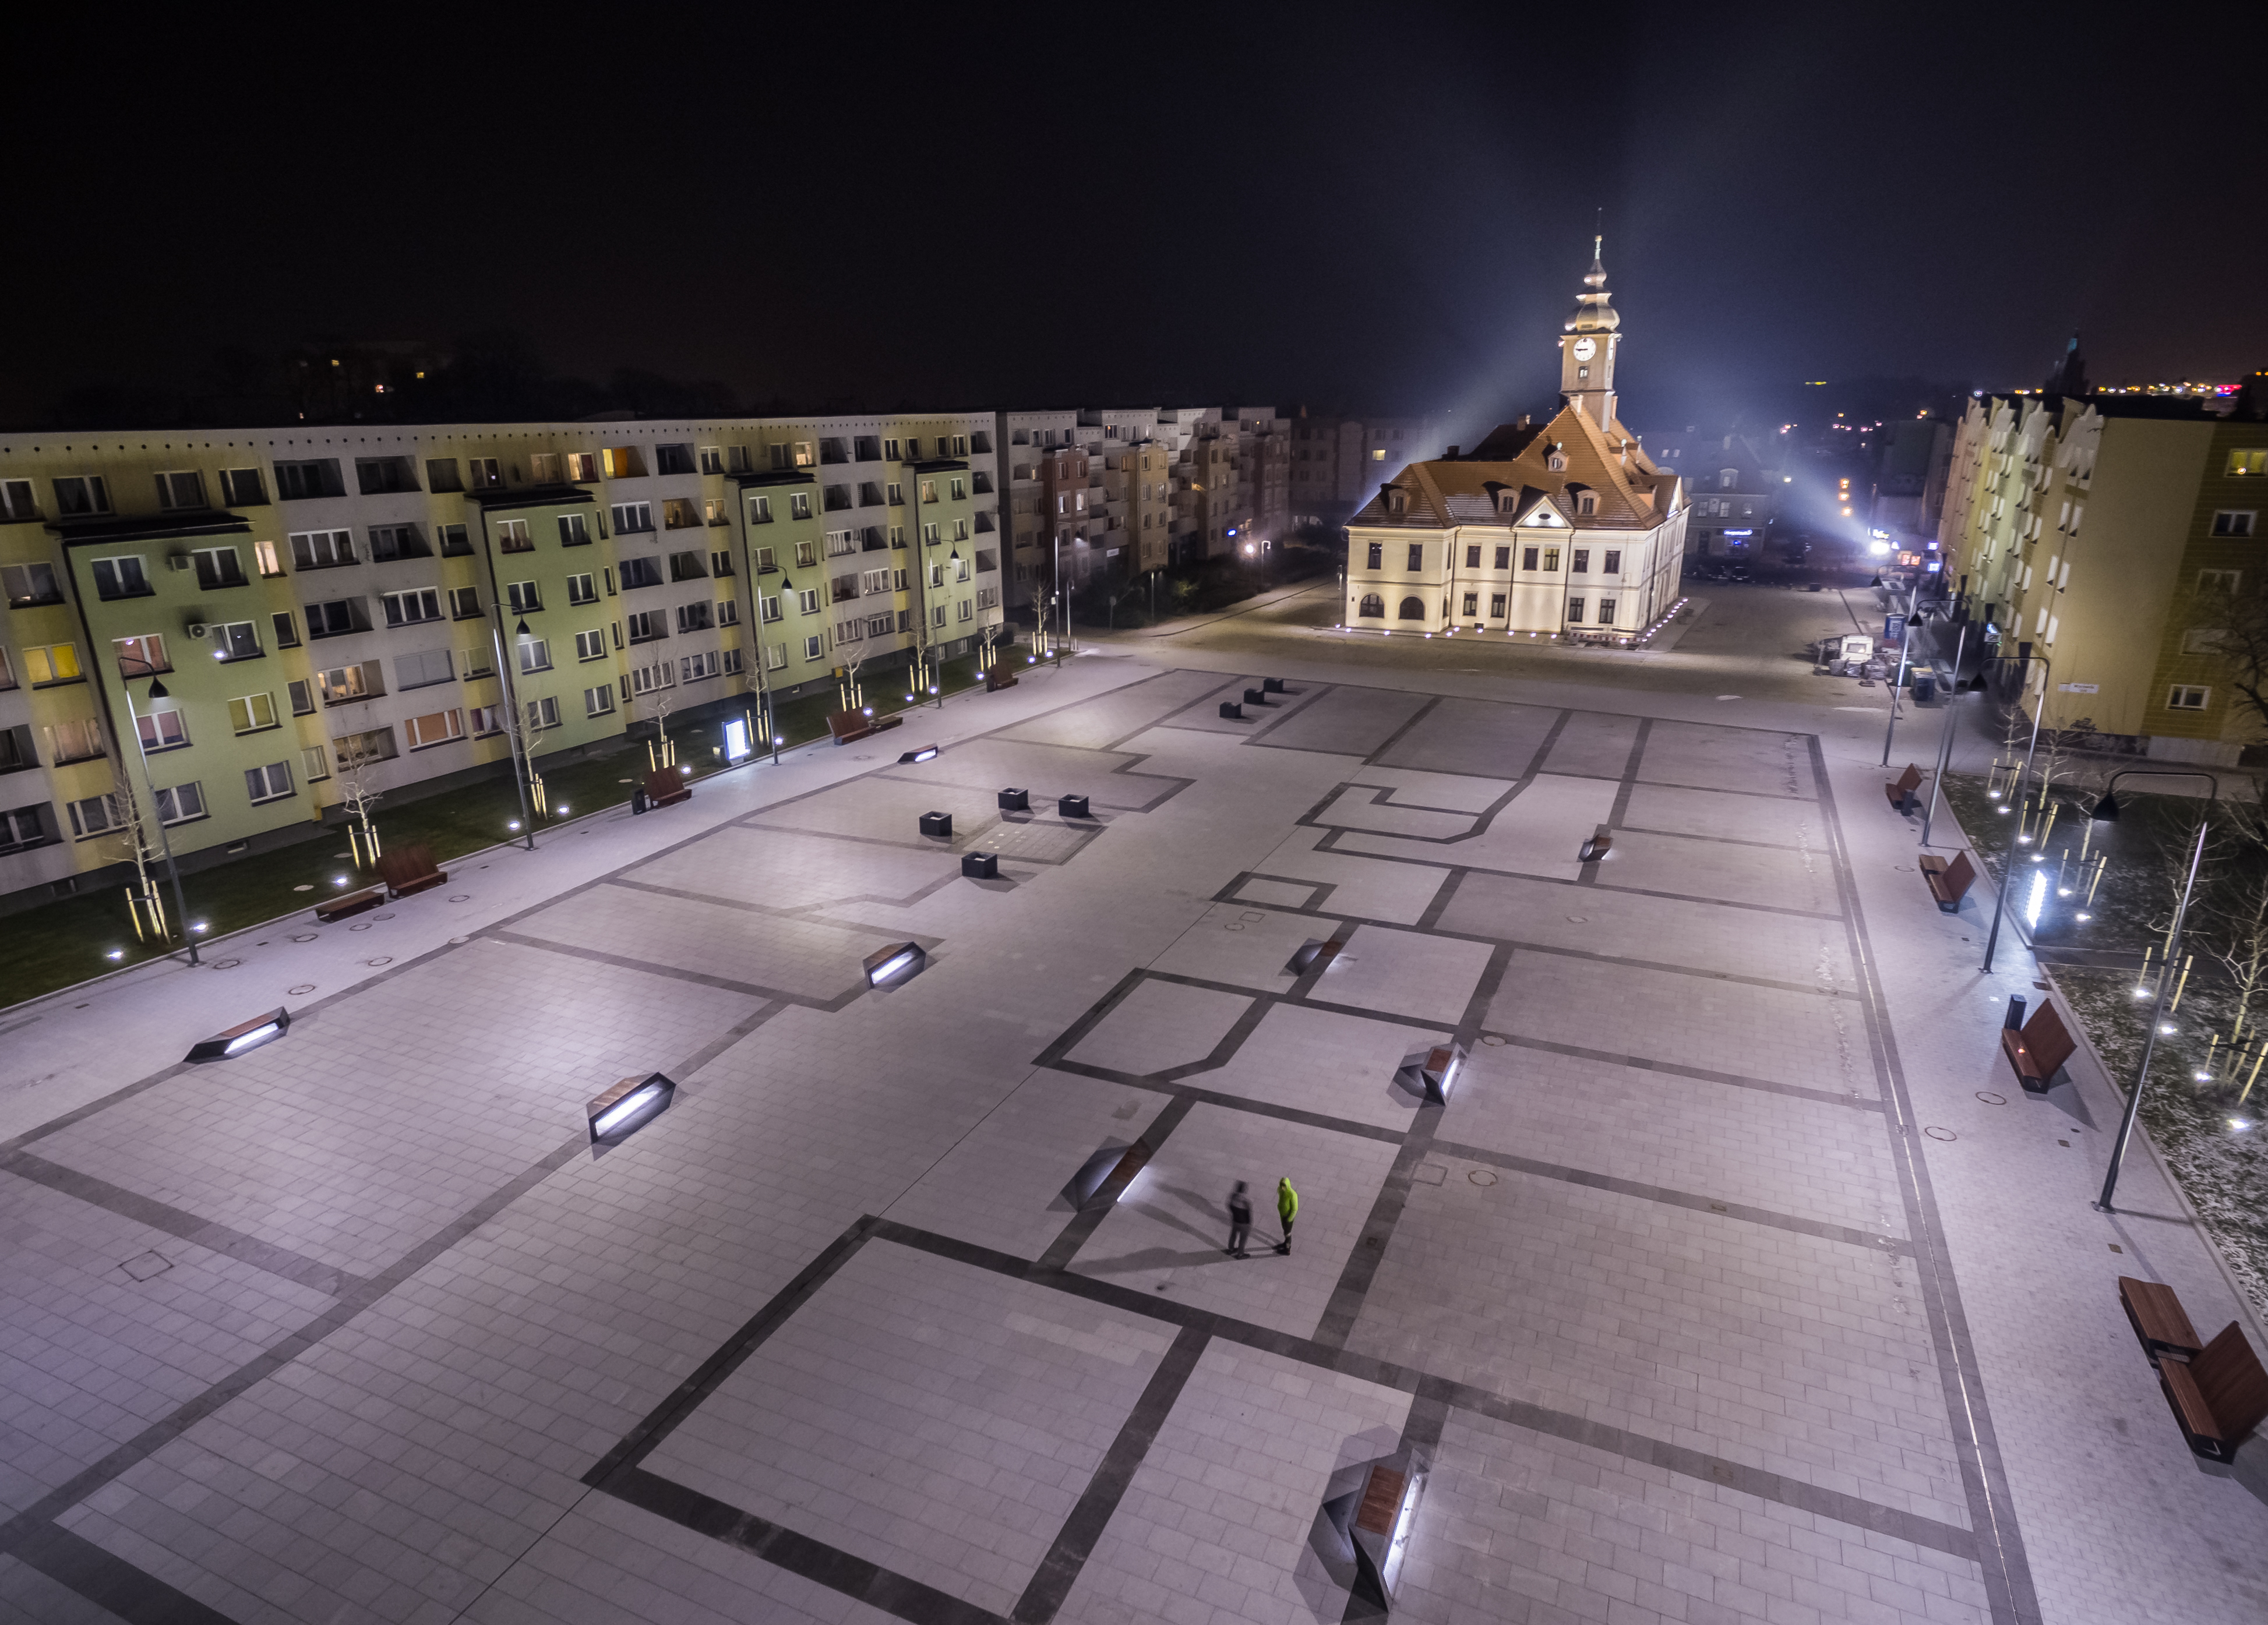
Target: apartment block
[[1338, 463], [2093, 539], [416, 596], [1093, 488]]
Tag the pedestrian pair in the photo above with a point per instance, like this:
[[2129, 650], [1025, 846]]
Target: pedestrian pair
[[1240, 1216]]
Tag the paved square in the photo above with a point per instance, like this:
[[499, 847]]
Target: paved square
[[1660, 1307]]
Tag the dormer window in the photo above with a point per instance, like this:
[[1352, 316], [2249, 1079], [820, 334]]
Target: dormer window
[[1557, 461], [1587, 504], [1397, 503], [1727, 478]]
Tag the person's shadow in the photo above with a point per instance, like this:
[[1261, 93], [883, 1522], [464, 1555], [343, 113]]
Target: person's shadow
[[1168, 1258]]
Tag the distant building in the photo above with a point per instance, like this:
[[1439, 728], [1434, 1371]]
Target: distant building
[[1915, 456], [1734, 491], [1338, 463], [2093, 536], [1567, 529]]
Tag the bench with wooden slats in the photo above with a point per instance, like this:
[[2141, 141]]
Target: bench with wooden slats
[[1901, 789], [410, 870], [2038, 1052], [2218, 1397], [2160, 1322], [666, 787], [1949, 883]]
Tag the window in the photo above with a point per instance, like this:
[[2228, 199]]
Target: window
[[252, 713], [768, 608], [388, 542], [486, 720], [21, 827], [581, 590], [646, 678], [94, 815], [641, 573], [1378, 454], [119, 578], [453, 540], [287, 630], [807, 600], [317, 477], [180, 803], [649, 624], [728, 612], [241, 488], [2233, 522], [441, 474], [376, 474], [2203, 641], [483, 472], [218, 567], [419, 604], [263, 558], [1472, 604], [543, 468], [1588, 503], [1496, 607], [599, 701], [54, 663], [525, 597], [2218, 580], [694, 668], [1411, 609], [721, 563], [303, 697], [473, 661], [314, 762], [1472, 558], [1574, 611], [811, 647], [2251, 461], [426, 667], [1605, 611], [686, 566], [334, 617], [574, 531], [354, 749], [1551, 558], [760, 510], [271, 783], [464, 603], [582, 466], [512, 536], [2187, 697], [1417, 555], [1613, 562], [534, 655], [159, 731], [181, 490], [320, 550], [82, 495], [437, 728], [631, 517], [1580, 564], [16, 501], [591, 645], [141, 656], [344, 684], [30, 585]]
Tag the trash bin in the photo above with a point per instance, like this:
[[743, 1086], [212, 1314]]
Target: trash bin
[[637, 801], [1925, 688]]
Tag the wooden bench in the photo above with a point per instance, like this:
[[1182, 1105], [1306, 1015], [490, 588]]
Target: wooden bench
[[849, 726], [666, 787], [411, 870], [1596, 847], [1949, 883], [2158, 1321], [348, 903], [2039, 1051], [2218, 1397], [1901, 789], [998, 678]]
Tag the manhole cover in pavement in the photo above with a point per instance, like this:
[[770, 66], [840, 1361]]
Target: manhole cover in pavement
[[463, 897], [1989, 1098], [226, 964], [382, 917], [361, 926], [383, 958], [1493, 1042], [142, 1266], [1249, 914], [459, 941], [1903, 868], [1232, 926], [305, 936], [305, 987], [1940, 1134], [1480, 1176], [1579, 919]]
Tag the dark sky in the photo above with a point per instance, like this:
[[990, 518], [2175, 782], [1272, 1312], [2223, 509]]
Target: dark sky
[[1385, 207]]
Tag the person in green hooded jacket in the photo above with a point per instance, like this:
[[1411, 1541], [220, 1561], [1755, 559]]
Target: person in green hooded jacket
[[1287, 1208]]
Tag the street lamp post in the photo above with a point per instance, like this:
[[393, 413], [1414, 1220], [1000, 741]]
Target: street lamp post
[[1945, 745], [164, 843], [2008, 862], [515, 741], [2106, 810], [1905, 647]]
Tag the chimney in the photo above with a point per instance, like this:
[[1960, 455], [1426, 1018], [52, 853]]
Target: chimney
[[1452, 453], [1524, 421]]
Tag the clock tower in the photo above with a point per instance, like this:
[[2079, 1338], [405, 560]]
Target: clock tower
[[1587, 350]]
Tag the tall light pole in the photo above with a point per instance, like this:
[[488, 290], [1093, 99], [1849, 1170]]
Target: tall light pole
[[2008, 864], [515, 739], [1905, 647], [2106, 811], [1945, 745], [164, 843]]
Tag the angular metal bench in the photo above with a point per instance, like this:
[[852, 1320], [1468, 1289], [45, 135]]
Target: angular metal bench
[[1901, 789], [2218, 1397], [2160, 1322], [1949, 883], [2039, 1051]]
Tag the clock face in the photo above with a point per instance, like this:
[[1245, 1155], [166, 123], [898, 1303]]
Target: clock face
[[1585, 348]]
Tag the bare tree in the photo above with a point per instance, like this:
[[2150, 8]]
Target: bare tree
[[2239, 917], [524, 726], [137, 842], [359, 757], [2232, 625]]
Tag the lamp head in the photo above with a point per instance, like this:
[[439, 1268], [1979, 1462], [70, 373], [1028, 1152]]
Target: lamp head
[[156, 690], [2105, 810], [521, 630]]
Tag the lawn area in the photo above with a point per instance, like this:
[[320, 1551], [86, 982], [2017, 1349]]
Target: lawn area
[[2201, 1107], [70, 940]]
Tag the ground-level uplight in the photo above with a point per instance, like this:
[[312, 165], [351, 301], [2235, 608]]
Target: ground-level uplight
[[199, 926], [226, 1045], [629, 1105], [115, 954]]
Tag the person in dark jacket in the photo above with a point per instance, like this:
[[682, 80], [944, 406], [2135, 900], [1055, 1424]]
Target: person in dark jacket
[[1240, 1221]]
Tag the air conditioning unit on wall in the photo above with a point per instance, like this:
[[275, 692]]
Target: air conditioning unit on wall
[[197, 629]]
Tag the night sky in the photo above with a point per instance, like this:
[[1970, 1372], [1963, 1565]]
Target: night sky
[[1382, 208]]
